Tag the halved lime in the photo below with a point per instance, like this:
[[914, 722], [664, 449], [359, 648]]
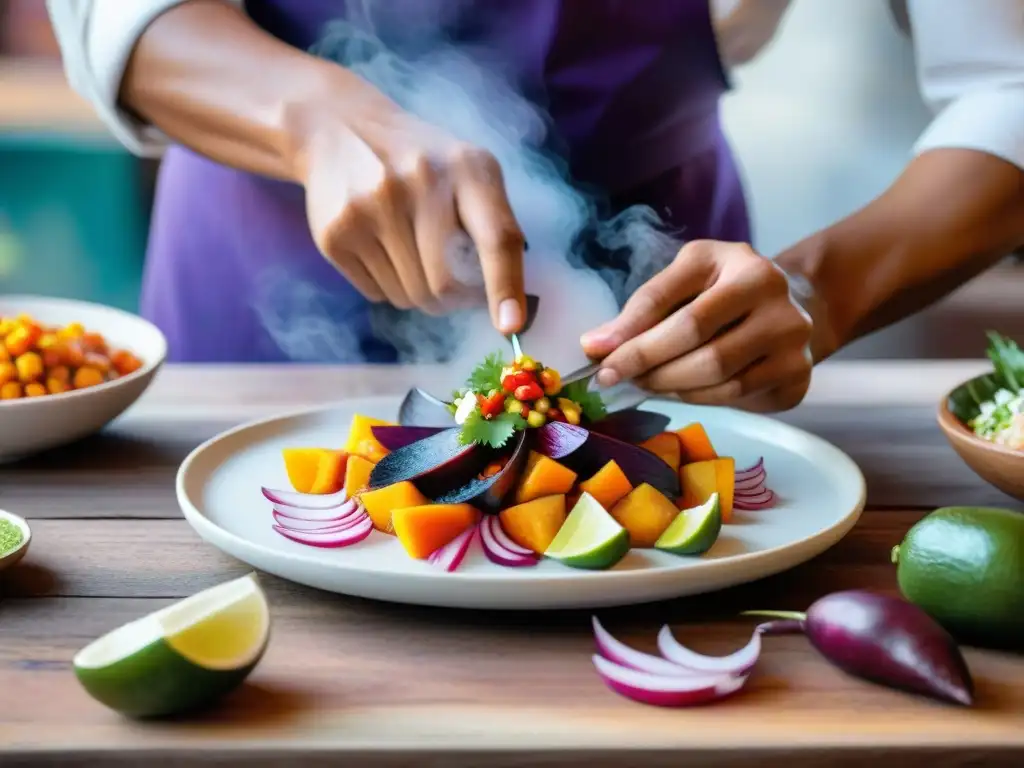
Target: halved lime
[[182, 657], [694, 531], [589, 538]]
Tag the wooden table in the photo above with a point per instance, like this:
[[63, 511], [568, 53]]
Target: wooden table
[[368, 684]]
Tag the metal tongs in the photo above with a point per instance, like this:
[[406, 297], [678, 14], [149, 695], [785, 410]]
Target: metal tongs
[[621, 396]]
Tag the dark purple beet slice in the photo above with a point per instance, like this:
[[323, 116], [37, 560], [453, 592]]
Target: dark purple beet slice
[[557, 440], [488, 495], [421, 409], [436, 464], [639, 465], [631, 425], [394, 438]]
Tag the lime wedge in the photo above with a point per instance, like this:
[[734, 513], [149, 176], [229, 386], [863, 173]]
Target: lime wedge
[[181, 658], [589, 538], [694, 530]]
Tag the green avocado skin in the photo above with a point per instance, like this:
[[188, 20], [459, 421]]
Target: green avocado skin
[[965, 567]]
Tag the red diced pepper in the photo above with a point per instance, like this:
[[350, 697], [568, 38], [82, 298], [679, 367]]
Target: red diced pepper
[[522, 378], [509, 383], [529, 392], [554, 414], [493, 405]]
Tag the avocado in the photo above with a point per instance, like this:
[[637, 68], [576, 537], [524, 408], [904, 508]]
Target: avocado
[[965, 567]]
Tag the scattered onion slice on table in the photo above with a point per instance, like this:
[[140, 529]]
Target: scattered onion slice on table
[[666, 690], [450, 556], [680, 677], [497, 552], [305, 500], [332, 537], [750, 491]]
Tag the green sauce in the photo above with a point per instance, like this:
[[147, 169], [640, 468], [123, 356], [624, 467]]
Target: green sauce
[[10, 536]]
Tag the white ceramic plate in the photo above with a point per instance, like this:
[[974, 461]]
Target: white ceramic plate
[[31, 425], [821, 496]]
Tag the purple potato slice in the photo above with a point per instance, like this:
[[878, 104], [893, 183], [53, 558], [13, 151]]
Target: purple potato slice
[[631, 425], [421, 409], [488, 494], [436, 464], [557, 439], [638, 464], [394, 438]]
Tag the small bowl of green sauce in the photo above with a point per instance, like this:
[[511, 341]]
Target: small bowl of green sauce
[[15, 536]]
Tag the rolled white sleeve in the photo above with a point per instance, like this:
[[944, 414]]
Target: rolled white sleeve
[[96, 38], [970, 66]]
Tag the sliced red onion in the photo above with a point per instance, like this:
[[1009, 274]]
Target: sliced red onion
[[342, 538], [451, 554], [305, 500], [666, 690], [751, 471], [761, 503], [315, 526], [753, 484], [505, 541], [736, 664], [323, 516], [624, 656], [498, 554]]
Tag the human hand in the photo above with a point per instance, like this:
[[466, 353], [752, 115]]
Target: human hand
[[398, 205], [718, 326]]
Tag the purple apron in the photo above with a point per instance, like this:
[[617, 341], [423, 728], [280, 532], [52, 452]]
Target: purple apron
[[632, 89]]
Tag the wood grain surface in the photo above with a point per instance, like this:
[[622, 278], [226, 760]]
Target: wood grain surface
[[387, 685]]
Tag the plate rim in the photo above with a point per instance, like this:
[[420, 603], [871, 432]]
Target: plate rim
[[204, 526]]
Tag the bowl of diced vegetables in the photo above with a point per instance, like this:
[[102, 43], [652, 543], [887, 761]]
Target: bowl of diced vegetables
[[67, 369], [983, 418]]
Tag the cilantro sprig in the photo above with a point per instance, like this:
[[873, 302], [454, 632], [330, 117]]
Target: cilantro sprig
[[487, 375], [590, 402], [492, 432]]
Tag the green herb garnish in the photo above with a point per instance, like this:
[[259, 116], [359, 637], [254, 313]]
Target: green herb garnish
[[493, 432], [1008, 374], [590, 402], [1008, 360], [486, 377]]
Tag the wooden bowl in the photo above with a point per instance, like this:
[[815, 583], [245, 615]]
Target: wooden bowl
[[997, 464]]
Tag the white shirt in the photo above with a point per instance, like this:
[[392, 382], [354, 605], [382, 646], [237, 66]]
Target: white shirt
[[969, 53]]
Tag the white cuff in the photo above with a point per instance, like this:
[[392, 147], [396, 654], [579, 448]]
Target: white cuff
[[97, 38], [989, 121]]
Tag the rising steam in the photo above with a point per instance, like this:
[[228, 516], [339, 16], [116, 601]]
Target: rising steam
[[465, 92]]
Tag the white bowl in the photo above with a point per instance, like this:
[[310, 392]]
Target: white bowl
[[31, 425]]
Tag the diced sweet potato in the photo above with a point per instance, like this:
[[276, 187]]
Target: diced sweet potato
[[302, 465], [608, 485], [667, 447], [426, 528], [534, 524], [330, 472], [543, 477], [645, 512], [382, 502], [695, 444], [361, 441], [357, 475], [702, 478]]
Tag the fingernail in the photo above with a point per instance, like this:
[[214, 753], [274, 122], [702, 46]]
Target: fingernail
[[510, 316], [608, 377]]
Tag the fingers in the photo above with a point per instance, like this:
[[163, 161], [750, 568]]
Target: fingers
[[756, 338], [376, 263], [678, 283], [486, 215], [352, 269], [687, 329], [397, 242], [777, 383]]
